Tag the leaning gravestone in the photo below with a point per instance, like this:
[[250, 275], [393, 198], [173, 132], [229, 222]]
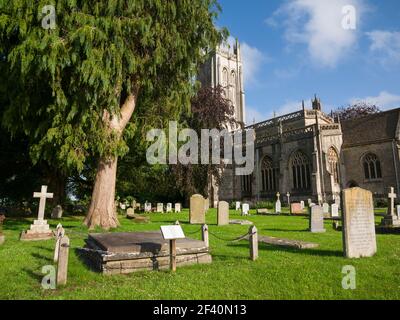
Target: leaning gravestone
[[317, 220], [223, 213], [178, 207], [57, 212], [359, 238], [197, 206]]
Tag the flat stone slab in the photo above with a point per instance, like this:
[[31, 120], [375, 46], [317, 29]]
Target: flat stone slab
[[117, 253], [138, 218], [241, 222], [287, 243]]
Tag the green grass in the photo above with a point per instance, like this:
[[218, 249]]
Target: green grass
[[278, 273]]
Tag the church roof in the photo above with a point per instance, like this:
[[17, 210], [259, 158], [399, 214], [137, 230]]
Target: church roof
[[371, 129]]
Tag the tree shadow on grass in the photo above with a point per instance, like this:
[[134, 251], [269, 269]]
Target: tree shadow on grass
[[308, 252], [35, 275], [13, 224], [42, 257]]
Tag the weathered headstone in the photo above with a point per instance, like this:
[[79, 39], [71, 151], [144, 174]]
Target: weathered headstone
[[288, 198], [178, 207], [245, 209], [334, 210], [2, 237], [278, 204], [147, 207], [262, 211], [130, 213], [122, 206], [326, 210], [197, 213], [392, 218], [295, 208], [205, 236], [359, 238], [160, 207], [316, 219], [309, 201], [223, 213], [169, 207], [206, 205], [302, 204], [57, 212], [398, 212], [238, 205], [39, 230], [253, 239]]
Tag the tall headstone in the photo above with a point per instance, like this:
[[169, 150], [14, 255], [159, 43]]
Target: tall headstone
[[62, 268], [223, 213], [160, 207], [288, 199], [278, 204], [169, 207], [39, 230], [197, 206], [302, 205], [245, 209], [316, 219], [392, 218], [335, 210], [60, 232], [178, 207], [57, 212], [359, 238]]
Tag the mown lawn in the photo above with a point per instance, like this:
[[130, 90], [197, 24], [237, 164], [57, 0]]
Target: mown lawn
[[278, 273]]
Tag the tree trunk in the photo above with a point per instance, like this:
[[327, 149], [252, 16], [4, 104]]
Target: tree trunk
[[102, 210]]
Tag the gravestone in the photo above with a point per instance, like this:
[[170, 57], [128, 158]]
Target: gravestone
[[398, 212], [302, 204], [197, 206], [60, 232], [130, 213], [147, 207], [335, 210], [39, 230], [245, 209], [122, 206], [62, 267], [278, 204], [169, 207], [2, 237], [160, 207], [326, 210], [223, 213], [178, 207], [288, 198], [317, 220], [392, 218], [238, 205], [309, 202], [295, 208], [359, 238], [57, 212], [262, 211]]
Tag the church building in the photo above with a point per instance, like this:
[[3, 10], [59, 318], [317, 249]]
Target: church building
[[306, 153]]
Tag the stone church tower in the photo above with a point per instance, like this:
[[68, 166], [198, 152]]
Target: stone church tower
[[225, 68]]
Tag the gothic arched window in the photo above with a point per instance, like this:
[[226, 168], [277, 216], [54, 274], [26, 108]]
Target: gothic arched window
[[301, 171], [333, 161], [372, 167], [247, 183], [269, 175], [224, 77]]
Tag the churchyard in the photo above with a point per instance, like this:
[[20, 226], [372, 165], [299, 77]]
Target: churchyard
[[279, 272]]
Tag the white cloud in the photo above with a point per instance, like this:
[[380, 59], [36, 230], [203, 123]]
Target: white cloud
[[384, 100], [289, 107], [386, 45], [254, 116], [318, 25]]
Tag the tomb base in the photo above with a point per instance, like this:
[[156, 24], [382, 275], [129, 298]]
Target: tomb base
[[123, 253], [39, 230]]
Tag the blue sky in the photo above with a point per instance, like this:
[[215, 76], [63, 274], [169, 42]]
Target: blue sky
[[294, 49]]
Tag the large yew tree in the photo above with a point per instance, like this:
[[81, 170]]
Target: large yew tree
[[74, 90]]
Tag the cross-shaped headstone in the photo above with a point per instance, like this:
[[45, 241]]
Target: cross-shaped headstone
[[278, 195], [392, 196], [43, 195]]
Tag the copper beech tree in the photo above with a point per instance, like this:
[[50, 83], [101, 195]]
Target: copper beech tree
[[74, 89]]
